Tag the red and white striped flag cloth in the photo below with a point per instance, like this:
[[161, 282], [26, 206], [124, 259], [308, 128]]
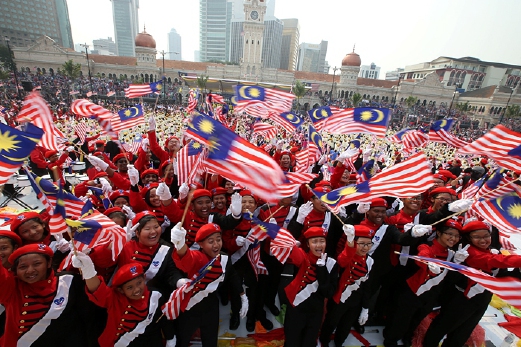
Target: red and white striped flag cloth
[[85, 108], [496, 186], [109, 94], [57, 225], [505, 243], [36, 111], [216, 98], [187, 158], [302, 158], [507, 288], [296, 179], [137, 90], [256, 263], [282, 245], [450, 139], [74, 92], [501, 144], [220, 116], [415, 138], [276, 101], [265, 130], [81, 129], [192, 101]]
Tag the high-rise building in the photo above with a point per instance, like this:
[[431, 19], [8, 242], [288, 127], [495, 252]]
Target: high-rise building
[[369, 71], [272, 43], [126, 25], [312, 57], [24, 21], [174, 45], [104, 46], [214, 29], [393, 75], [290, 44]]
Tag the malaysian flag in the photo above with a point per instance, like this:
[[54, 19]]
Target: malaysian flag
[[88, 109], [15, 147], [57, 224], [187, 157], [505, 243], [260, 102], [319, 116], [135, 145], [98, 193], [359, 120], [503, 212], [235, 158], [282, 245], [398, 137], [81, 130], [261, 230], [345, 195], [471, 190], [253, 255], [295, 180], [192, 101], [109, 94], [501, 144], [129, 118], [495, 186], [315, 142], [215, 98], [137, 90], [507, 288], [36, 111], [443, 124], [302, 158], [367, 171], [264, 130], [414, 139], [287, 120]]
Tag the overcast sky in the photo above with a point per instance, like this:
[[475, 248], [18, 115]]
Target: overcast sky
[[389, 33]]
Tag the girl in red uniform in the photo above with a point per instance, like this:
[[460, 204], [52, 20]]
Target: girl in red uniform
[[9, 242]]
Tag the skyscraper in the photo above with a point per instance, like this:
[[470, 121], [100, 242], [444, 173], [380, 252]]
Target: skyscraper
[[104, 46], [23, 22], [214, 33], [126, 25], [290, 44], [272, 43], [174, 45], [312, 57]]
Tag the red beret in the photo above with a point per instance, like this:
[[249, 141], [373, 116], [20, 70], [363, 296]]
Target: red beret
[[22, 218], [126, 273], [323, 183], [457, 161], [162, 167], [140, 216], [149, 172], [475, 225], [101, 174], [112, 210], [148, 187], [12, 236], [363, 231], [170, 139], [352, 177], [322, 189], [49, 154], [454, 224], [219, 191], [96, 154], [39, 248], [440, 177], [315, 232], [127, 155], [285, 153], [441, 190], [199, 193], [484, 161], [378, 202], [246, 192], [100, 143], [294, 149], [206, 230], [118, 194], [195, 185], [447, 174]]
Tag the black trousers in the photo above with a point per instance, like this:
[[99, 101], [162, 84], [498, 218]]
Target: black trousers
[[341, 316], [204, 315], [254, 291], [274, 268], [302, 324], [457, 319]]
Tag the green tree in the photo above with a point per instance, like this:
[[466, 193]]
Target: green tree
[[201, 84], [70, 69], [299, 89], [4, 75], [513, 111], [355, 99], [6, 59], [411, 101], [463, 107]]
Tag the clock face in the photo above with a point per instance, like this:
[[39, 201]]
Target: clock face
[[254, 15]]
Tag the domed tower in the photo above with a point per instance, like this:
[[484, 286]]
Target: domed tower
[[350, 68], [145, 49]]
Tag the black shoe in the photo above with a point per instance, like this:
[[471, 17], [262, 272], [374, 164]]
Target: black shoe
[[224, 300], [359, 329], [250, 324], [273, 309], [266, 323], [234, 322]]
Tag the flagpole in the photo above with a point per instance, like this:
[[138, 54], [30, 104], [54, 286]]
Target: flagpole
[[334, 214]]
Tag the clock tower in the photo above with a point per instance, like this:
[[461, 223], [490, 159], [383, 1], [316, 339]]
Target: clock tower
[[253, 29]]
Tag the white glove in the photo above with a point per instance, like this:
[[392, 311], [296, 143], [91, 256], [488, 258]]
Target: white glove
[[165, 225], [364, 315], [244, 306], [128, 211], [183, 191], [171, 343], [363, 208], [70, 149], [273, 221], [163, 192], [84, 263], [460, 205], [133, 175], [351, 152], [236, 205], [240, 241], [151, 123], [434, 268], [131, 230], [322, 159], [97, 162], [297, 243], [105, 186], [349, 230], [177, 236], [280, 143], [420, 230], [342, 212], [63, 245], [396, 203], [461, 254], [303, 211], [84, 198], [181, 282], [366, 155], [322, 260], [494, 251], [144, 144]]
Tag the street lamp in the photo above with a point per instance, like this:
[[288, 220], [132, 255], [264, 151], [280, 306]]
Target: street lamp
[[13, 67], [505, 109], [452, 101], [396, 90], [88, 64], [164, 76], [332, 85]]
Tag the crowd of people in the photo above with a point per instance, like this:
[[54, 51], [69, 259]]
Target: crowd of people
[[339, 271]]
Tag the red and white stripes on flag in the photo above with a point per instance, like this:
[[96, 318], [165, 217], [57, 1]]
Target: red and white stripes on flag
[[507, 288], [501, 144], [414, 138], [192, 101], [111, 233], [186, 164], [85, 108], [36, 111], [505, 243], [302, 158], [276, 101], [216, 98], [449, 139], [282, 245], [137, 90], [265, 130], [81, 130], [256, 263]]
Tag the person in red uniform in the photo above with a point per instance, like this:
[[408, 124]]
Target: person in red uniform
[[37, 161], [9, 242], [172, 144], [134, 311], [315, 280], [350, 300], [119, 178], [120, 198], [422, 289], [40, 305], [465, 307], [204, 304], [149, 176], [56, 162], [219, 201]]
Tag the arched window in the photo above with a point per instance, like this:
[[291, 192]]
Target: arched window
[[51, 71], [169, 80], [103, 75], [146, 77], [131, 77], [43, 71]]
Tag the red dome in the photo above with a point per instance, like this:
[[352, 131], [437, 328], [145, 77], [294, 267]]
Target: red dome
[[351, 59], [144, 39]]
